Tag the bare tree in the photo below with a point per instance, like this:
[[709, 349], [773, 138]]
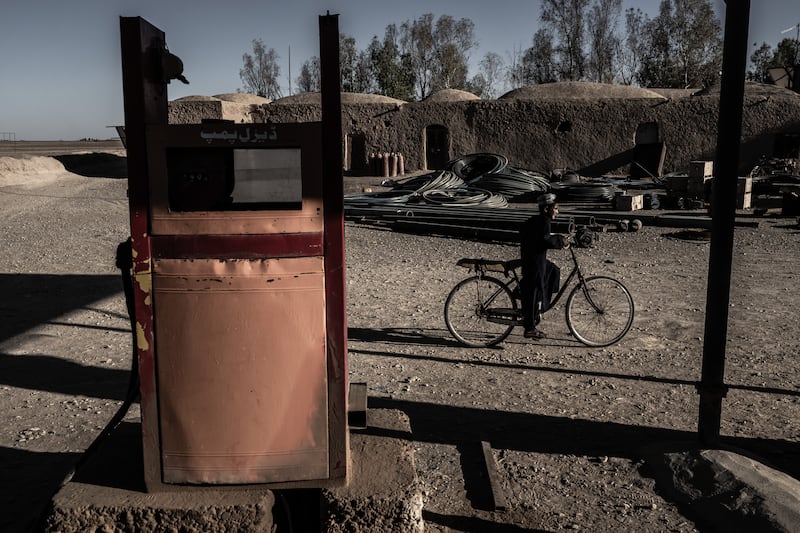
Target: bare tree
[[260, 71], [760, 62], [438, 53], [565, 18], [539, 64], [309, 78], [364, 80], [355, 70], [514, 74], [684, 46], [416, 40], [632, 49], [604, 44], [698, 42], [490, 71], [392, 71], [348, 62], [453, 40]]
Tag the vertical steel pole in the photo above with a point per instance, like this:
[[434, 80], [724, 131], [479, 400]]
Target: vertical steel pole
[[145, 102], [712, 386], [333, 206]]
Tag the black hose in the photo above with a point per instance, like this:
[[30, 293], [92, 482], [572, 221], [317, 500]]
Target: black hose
[[125, 264], [124, 261]]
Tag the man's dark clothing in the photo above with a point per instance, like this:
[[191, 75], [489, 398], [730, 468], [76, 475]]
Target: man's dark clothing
[[540, 277]]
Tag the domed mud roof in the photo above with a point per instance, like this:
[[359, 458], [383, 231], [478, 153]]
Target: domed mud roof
[[579, 90], [752, 88], [347, 98], [673, 93], [197, 98], [243, 98], [451, 95]]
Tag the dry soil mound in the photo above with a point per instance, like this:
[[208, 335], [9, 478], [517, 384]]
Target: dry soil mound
[[28, 170]]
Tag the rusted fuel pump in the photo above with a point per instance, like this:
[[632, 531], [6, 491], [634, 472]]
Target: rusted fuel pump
[[238, 268]]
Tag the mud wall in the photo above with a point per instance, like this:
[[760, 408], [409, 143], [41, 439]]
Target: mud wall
[[543, 135], [193, 112]]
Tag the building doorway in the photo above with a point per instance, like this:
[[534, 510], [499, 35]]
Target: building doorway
[[437, 147], [355, 154]]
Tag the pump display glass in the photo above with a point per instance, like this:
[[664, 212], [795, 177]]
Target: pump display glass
[[234, 179]]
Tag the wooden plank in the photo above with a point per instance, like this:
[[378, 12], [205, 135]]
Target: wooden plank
[[357, 405], [498, 496], [701, 169], [629, 202]]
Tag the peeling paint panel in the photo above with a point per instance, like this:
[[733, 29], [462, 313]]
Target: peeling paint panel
[[242, 369]]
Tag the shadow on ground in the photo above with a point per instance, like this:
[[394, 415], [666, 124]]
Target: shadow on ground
[[28, 479], [465, 428], [404, 336], [30, 300], [95, 165]]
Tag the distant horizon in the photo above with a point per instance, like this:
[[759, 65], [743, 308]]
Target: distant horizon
[[119, 139], [84, 139], [68, 82]]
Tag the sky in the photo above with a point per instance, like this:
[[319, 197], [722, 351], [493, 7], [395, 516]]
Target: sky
[[61, 74]]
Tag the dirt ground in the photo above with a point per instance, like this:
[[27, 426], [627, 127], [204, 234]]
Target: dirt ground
[[567, 424]]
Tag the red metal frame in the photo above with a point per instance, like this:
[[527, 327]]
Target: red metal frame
[[145, 102], [237, 246]]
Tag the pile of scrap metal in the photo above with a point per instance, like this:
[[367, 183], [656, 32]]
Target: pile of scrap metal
[[776, 186], [470, 199], [485, 179], [475, 180], [479, 223], [441, 187], [462, 200], [493, 173]]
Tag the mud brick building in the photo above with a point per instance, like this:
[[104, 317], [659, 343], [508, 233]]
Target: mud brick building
[[590, 127]]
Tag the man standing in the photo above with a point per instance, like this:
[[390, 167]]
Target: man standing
[[540, 277]]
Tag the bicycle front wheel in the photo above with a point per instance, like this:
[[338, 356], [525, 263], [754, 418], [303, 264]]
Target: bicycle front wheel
[[599, 311], [480, 311]]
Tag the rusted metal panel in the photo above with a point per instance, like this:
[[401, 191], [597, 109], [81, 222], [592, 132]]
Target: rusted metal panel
[[241, 369]]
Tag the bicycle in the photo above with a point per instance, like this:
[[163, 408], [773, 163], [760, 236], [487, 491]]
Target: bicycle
[[481, 310]]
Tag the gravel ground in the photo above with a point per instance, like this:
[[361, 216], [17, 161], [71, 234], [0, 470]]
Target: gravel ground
[[567, 424]]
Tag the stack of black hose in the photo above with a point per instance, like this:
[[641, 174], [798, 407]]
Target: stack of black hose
[[491, 172], [598, 191], [441, 187]]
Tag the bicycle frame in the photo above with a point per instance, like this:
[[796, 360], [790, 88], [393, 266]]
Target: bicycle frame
[[513, 285], [498, 298], [576, 271]]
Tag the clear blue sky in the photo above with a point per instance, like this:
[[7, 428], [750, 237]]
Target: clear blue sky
[[60, 73]]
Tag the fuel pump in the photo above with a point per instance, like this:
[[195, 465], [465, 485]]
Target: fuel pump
[[238, 269]]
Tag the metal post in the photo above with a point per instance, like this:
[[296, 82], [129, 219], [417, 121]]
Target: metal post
[[145, 103], [333, 198], [712, 386]]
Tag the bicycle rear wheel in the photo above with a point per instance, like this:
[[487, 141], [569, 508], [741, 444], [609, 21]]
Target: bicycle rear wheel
[[600, 311], [480, 311]]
